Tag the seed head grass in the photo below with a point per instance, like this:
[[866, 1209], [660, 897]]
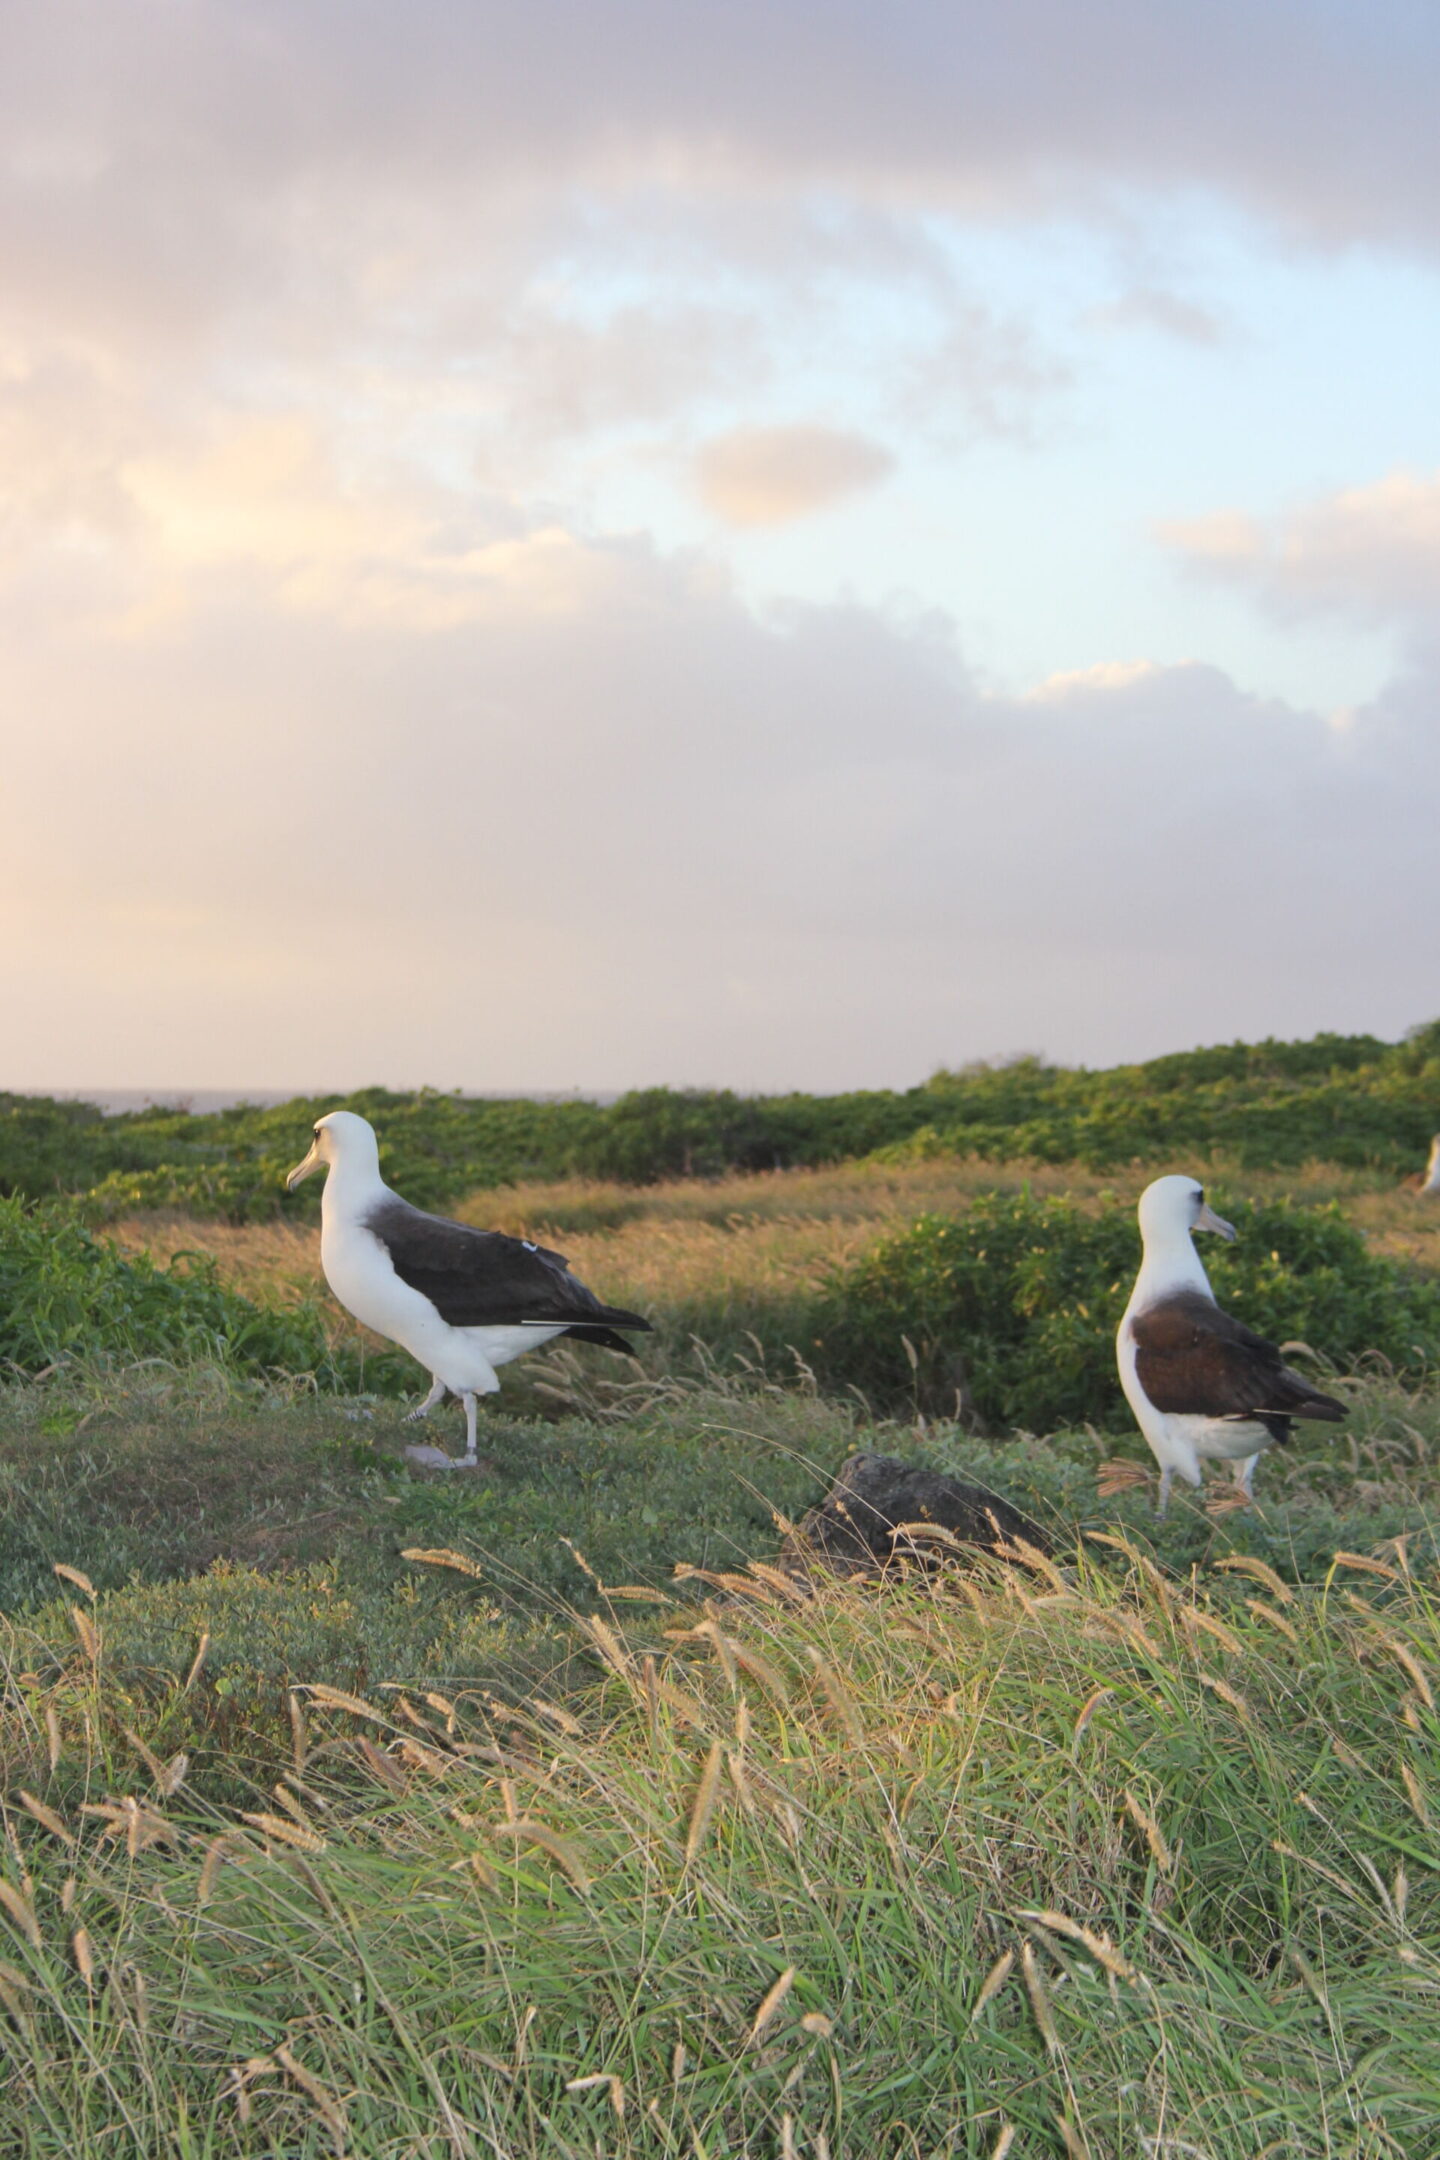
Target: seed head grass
[[883, 1896], [353, 1811]]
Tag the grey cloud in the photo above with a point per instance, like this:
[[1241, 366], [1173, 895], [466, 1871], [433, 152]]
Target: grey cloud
[[162, 163], [1326, 114], [985, 376], [656, 836]]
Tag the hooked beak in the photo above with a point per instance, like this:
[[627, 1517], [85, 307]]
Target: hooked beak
[[313, 1161], [1207, 1219]]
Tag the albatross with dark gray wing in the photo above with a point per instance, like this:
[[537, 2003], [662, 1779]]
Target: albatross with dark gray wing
[[1203, 1387], [462, 1301]]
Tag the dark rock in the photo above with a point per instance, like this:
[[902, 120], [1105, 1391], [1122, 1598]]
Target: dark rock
[[874, 1495]]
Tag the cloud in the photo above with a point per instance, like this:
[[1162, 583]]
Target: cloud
[[664, 836], [309, 169], [985, 376], [349, 745], [1149, 307], [1369, 553], [275, 106], [773, 475], [1104, 675]]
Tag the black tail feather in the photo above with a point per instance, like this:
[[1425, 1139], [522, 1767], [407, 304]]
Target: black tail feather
[[605, 1337]]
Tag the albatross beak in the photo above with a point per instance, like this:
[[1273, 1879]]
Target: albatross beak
[[303, 1169], [1207, 1219]]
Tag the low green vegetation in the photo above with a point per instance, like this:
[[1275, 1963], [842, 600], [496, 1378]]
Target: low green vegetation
[[65, 1292], [1347, 1099], [1006, 1311], [273, 1524]]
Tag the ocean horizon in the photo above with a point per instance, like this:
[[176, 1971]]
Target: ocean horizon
[[199, 1102]]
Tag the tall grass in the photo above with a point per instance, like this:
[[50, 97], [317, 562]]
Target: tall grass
[[1102, 1861]]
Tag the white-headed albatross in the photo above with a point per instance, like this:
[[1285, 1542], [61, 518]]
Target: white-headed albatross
[[1203, 1387], [462, 1301]]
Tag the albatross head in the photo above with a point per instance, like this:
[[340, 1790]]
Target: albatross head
[[342, 1137], [1174, 1206]]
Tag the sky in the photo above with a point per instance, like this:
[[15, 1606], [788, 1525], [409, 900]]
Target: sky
[[548, 546]]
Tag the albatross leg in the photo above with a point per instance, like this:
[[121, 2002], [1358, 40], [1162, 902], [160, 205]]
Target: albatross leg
[[435, 1458], [423, 1409], [1167, 1478], [1245, 1476], [467, 1460]]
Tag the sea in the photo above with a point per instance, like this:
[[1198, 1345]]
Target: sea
[[199, 1101]]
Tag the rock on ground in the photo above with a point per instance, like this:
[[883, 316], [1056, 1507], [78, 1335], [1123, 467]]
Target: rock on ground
[[874, 1496]]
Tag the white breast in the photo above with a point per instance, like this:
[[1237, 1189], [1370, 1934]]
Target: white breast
[[358, 1270]]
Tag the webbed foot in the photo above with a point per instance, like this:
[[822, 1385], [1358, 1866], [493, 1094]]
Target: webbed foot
[[434, 1458]]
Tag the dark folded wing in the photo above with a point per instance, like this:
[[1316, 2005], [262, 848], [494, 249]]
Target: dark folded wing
[[1192, 1357], [481, 1278]]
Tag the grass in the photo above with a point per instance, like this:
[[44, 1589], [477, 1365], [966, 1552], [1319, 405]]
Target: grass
[[274, 1527], [1131, 1854], [1098, 1862]]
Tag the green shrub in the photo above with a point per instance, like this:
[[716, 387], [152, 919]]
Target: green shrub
[[1026, 1294], [65, 1292], [1345, 1099], [49, 1146], [1348, 1099]]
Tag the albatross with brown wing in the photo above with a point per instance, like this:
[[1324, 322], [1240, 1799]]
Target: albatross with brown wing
[[1202, 1385]]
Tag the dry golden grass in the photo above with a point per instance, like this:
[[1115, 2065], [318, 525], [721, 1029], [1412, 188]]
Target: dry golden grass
[[276, 1261], [771, 1234], [861, 1192]]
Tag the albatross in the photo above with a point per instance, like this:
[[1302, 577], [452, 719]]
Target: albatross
[[1202, 1386], [461, 1301]]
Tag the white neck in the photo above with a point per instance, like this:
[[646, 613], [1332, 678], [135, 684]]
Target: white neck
[[1171, 1263], [352, 1187]]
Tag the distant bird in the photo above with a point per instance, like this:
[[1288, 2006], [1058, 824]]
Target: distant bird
[[462, 1301], [1203, 1387], [1430, 1183]]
